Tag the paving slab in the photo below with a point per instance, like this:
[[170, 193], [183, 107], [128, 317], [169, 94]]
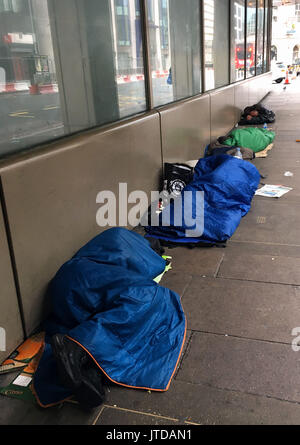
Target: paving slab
[[198, 261], [260, 248], [17, 412], [248, 366], [270, 221], [176, 282], [116, 416], [243, 309], [264, 268], [206, 405], [278, 163], [285, 141]]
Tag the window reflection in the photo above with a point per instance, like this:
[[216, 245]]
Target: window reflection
[[238, 40], [266, 37], [30, 107], [251, 38], [216, 47], [260, 37], [67, 66], [127, 37], [174, 30]]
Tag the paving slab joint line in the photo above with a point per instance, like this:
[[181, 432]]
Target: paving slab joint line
[[264, 242], [186, 286], [117, 408], [261, 340], [219, 266], [184, 355], [220, 277], [98, 415], [266, 396], [257, 281]]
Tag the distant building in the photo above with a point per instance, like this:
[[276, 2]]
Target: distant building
[[286, 32], [25, 43]]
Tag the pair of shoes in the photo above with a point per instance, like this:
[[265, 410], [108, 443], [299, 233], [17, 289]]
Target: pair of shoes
[[78, 372]]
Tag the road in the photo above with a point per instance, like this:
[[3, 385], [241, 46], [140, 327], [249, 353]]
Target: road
[[27, 120]]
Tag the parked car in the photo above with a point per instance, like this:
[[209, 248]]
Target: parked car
[[278, 71]]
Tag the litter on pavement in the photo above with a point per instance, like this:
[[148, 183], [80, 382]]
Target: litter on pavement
[[273, 191]]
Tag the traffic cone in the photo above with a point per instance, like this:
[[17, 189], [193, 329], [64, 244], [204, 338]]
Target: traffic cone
[[287, 81]]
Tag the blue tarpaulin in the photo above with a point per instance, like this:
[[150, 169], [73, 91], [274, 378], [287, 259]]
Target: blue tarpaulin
[[106, 301]]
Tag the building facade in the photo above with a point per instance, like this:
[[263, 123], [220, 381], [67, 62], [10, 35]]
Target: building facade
[[286, 33]]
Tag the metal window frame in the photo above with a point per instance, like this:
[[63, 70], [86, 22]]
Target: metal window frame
[[230, 41], [231, 80], [202, 48], [257, 5], [256, 39], [146, 55], [246, 40], [264, 41], [269, 34]]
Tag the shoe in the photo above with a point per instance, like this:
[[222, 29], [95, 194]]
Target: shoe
[[70, 358], [78, 372]]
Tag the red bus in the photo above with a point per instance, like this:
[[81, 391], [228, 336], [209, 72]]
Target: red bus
[[240, 56]]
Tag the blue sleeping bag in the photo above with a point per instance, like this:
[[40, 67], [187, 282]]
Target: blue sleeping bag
[[106, 301], [228, 185]]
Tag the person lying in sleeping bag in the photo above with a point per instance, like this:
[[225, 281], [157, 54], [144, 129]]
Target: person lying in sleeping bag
[[211, 207], [257, 139], [109, 319], [257, 115]]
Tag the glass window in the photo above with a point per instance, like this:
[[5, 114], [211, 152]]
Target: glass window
[[122, 23], [260, 37], [251, 38], [66, 67], [266, 57], [237, 40], [216, 43], [174, 33]]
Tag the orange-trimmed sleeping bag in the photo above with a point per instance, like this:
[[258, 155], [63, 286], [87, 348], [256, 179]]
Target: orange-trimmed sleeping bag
[[106, 301]]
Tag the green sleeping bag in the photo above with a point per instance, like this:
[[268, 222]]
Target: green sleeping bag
[[255, 138]]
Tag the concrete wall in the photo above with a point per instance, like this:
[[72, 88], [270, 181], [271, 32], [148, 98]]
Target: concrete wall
[[50, 194], [10, 320], [188, 126]]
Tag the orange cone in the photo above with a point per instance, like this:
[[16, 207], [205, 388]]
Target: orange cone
[[287, 82]]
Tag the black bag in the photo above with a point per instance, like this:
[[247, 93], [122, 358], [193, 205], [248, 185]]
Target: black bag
[[265, 116], [178, 176]]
